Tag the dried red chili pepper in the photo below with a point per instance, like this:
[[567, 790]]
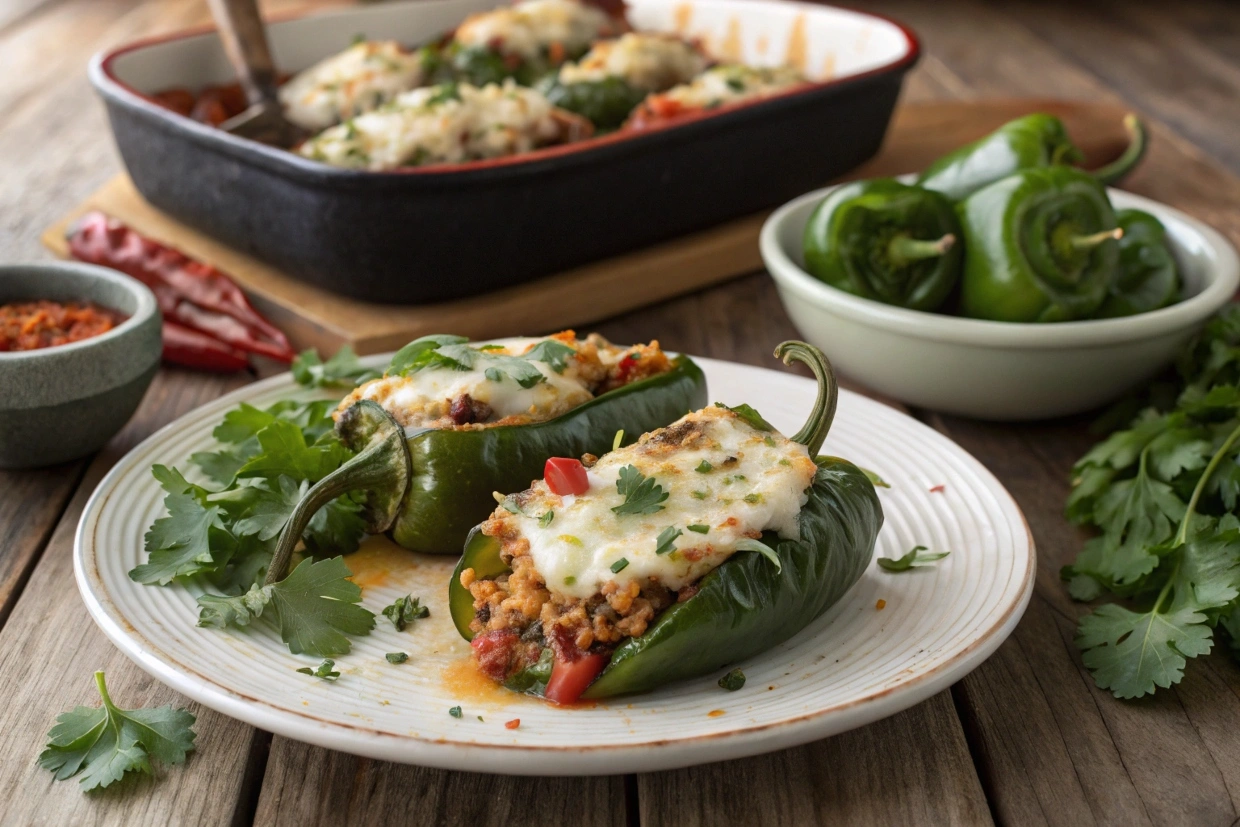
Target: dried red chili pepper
[[191, 293], [192, 349]]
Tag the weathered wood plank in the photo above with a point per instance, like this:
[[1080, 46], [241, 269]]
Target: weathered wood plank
[[50, 647], [912, 768], [307, 786]]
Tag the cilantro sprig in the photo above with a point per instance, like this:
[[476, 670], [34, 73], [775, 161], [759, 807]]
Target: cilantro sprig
[[642, 495], [1163, 495], [453, 353], [103, 743], [405, 610], [916, 558]]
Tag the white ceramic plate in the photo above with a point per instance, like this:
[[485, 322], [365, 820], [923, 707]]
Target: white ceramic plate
[[856, 664]]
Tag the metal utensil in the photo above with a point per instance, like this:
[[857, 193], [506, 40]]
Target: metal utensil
[[245, 42]]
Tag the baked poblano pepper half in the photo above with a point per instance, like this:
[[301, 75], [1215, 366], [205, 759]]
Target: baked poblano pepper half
[[886, 241], [705, 543], [1040, 246], [1148, 276], [452, 422], [1032, 142]]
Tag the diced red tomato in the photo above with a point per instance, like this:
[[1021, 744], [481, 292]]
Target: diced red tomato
[[570, 678], [513, 724], [565, 476], [493, 651]]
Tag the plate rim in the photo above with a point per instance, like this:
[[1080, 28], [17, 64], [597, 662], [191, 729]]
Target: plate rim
[[581, 760]]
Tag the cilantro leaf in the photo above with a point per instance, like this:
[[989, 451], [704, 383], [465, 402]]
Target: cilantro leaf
[[343, 370], [404, 611], [180, 543], [104, 743], [515, 368], [420, 352], [642, 495], [667, 539], [285, 452], [732, 681], [556, 354], [271, 508], [314, 608], [396, 657], [325, 670], [336, 528], [222, 466], [1131, 654], [750, 544], [914, 559], [748, 415]]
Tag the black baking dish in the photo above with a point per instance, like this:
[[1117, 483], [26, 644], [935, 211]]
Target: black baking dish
[[437, 233]]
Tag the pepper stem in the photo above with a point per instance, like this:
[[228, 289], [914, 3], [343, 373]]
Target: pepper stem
[[1088, 242], [382, 469], [902, 249], [820, 417], [1121, 166]]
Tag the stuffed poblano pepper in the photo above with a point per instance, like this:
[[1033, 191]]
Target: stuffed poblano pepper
[[887, 241], [1148, 276], [705, 543], [1032, 142], [1040, 246], [616, 75], [451, 422]]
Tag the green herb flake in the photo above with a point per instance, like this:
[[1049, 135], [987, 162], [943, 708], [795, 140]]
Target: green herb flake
[[700, 529], [570, 580], [914, 559], [619, 437], [397, 657], [105, 743], [750, 416], [620, 565], [704, 467], [455, 712], [404, 611], [700, 495], [769, 441], [546, 518], [750, 544], [642, 495], [753, 498], [667, 537], [732, 681], [325, 670]]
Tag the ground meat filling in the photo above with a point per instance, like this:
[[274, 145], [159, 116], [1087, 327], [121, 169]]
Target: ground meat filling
[[519, 616]]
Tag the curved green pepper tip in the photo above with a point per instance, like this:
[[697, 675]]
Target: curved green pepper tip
[[814, 433], [1138, 140], [381, 468]]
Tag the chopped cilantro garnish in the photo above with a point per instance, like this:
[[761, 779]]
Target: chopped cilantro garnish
[[325, 670], [397, 657], [620, 565], [753, 497], [750, 544], [455, 712], [570, 580], [749, 415], [700, 529], [732, 681], [545, 519], [913, 559], [700, 495], [666, 538], [704, 467], [404, 611], [642, 495]]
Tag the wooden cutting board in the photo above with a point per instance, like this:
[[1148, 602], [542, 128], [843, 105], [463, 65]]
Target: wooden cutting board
[[313, 317]]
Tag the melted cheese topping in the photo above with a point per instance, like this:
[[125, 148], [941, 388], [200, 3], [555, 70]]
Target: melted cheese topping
[[431, 125], [724, 85], [652, 62], [529, 29], [424, 398], [757, 482], [360, 79]]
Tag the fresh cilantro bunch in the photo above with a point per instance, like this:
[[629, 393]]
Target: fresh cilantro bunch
[[104, 743], [1163, 495], [452, 353], [224, 532]]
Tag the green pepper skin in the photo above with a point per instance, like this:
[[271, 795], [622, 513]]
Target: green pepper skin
[[456, 472], [745, 607], [1148, 276], [1034, 141], [606, 103], [1021, 259], [852, 243]]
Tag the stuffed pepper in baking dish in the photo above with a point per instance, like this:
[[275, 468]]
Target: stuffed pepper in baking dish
[[451, 421], [719, 86], [704, 543]]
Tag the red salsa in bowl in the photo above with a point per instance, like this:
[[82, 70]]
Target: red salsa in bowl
[[31, 325]]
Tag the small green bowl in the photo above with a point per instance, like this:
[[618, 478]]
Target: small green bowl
[[62, 403]]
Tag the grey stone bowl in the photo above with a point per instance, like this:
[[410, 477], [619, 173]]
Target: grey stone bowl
[[62, 403]]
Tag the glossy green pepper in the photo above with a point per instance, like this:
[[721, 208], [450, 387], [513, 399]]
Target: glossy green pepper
[[1040, 246], [426, 488], [886, 241], [746, 605], [1032, 142], [1148, 276], [605, 103]]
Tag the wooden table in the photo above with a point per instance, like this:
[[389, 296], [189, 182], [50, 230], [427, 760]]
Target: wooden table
[[1025, 739]]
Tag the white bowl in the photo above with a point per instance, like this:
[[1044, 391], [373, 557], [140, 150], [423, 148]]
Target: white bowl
[[999, 370]]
